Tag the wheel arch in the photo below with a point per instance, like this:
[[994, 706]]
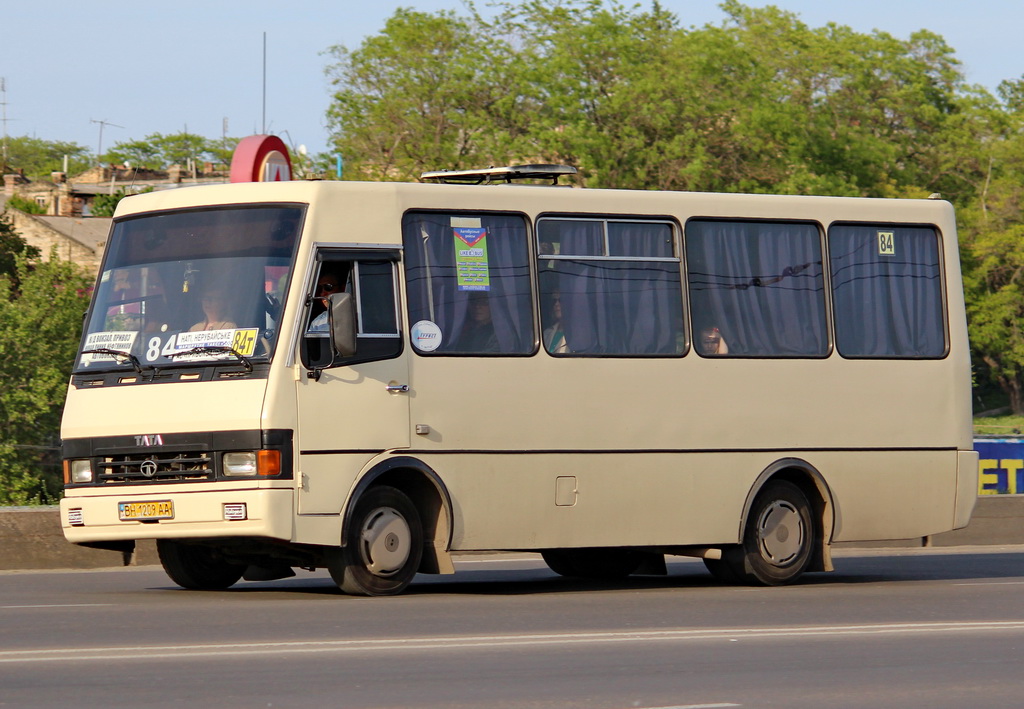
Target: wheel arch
[[812, 483], [430, 496]]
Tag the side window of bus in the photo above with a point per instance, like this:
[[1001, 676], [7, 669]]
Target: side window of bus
[[372, 286], [609, 287], [756, 288], [468, 283], [887, 291]]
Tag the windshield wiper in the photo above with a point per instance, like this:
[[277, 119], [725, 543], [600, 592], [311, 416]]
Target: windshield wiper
[[136, 365], [208, 349]]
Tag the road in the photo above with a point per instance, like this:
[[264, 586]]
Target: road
[[914, 628]]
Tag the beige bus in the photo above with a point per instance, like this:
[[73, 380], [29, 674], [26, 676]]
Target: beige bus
[[370, 377]]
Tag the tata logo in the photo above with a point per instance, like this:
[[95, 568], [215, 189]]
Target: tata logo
[[152, 439], [148, 468]]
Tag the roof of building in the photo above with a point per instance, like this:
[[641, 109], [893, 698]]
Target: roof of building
[[88, 231]]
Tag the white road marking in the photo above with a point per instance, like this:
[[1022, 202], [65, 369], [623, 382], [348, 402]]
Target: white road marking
[[698, 706], [432, 644], [60, 605]]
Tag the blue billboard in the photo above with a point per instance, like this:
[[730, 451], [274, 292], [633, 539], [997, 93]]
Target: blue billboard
[[1000, 466]]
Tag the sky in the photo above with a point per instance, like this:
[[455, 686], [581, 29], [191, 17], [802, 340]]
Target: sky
[[100, 73]]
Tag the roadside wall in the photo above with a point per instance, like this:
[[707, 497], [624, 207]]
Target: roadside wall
[[31, 537]]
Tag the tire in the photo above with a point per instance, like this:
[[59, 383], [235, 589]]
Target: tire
[[778, 540], [383, 545], [196, 567], [779, 536], [599, 564]]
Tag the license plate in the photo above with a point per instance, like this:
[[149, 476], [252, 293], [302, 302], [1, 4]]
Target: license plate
[[145, 511]]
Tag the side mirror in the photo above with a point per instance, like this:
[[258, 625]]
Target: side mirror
[[342, 316]]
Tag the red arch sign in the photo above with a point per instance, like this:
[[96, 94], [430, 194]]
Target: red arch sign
[[261, 158]]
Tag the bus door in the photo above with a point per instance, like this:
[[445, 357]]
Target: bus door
[[350, 408]]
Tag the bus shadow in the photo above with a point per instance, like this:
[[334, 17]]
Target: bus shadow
[[537, 580]]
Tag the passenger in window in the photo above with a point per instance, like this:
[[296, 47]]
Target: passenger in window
[[554, 336], [214, 300], [478, 332], [712, 343]]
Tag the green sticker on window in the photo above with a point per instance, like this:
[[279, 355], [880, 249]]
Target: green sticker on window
[[471, 258]]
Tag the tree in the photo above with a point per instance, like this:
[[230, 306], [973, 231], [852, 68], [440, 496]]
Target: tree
[[40, 327], [419, 96], [143, 154], [12, 247], [761, 103], [157, 151], [984, 162], [38, 158], [103, 205]]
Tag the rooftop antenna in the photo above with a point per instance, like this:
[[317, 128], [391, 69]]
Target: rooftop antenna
[[264, 131], [99, 147]]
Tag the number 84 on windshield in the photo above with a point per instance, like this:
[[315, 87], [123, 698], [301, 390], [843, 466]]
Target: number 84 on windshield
[[242, 341]]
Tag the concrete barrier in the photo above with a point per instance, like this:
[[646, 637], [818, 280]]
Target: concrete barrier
[[31, 537]]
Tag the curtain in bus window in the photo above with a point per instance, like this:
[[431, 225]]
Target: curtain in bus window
[[563, 237], [639, 240], [887, 291], [611, 306], [491, 315], [760, 284]]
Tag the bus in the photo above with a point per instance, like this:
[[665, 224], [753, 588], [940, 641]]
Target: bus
[[371, 377]]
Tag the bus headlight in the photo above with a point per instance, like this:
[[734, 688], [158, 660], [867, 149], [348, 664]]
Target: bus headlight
[[238, 464], [80, 471], [262, 463]]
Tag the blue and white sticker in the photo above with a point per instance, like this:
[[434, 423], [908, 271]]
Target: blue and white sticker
[[426, 336]]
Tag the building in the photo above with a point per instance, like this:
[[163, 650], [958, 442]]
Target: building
[[77, 239], [67, 225]]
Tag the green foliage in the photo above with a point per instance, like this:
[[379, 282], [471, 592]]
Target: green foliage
[[12, 247], [103, 205], [38, 158], [25, 205], [762, 103], [158, 152], [999, 425], [421, 93], [40, 327]]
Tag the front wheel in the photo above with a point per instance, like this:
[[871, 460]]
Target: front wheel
[[197, 567], [383, 545]]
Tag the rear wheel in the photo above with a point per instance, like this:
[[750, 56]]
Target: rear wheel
[[383, 545], [197, 567], [778, 540], [605, 564]]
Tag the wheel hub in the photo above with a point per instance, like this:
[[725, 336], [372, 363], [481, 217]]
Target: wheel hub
[[385, 541], [780, 533]]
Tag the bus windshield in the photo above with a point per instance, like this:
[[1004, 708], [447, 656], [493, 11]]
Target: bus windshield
[[186, 287]]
